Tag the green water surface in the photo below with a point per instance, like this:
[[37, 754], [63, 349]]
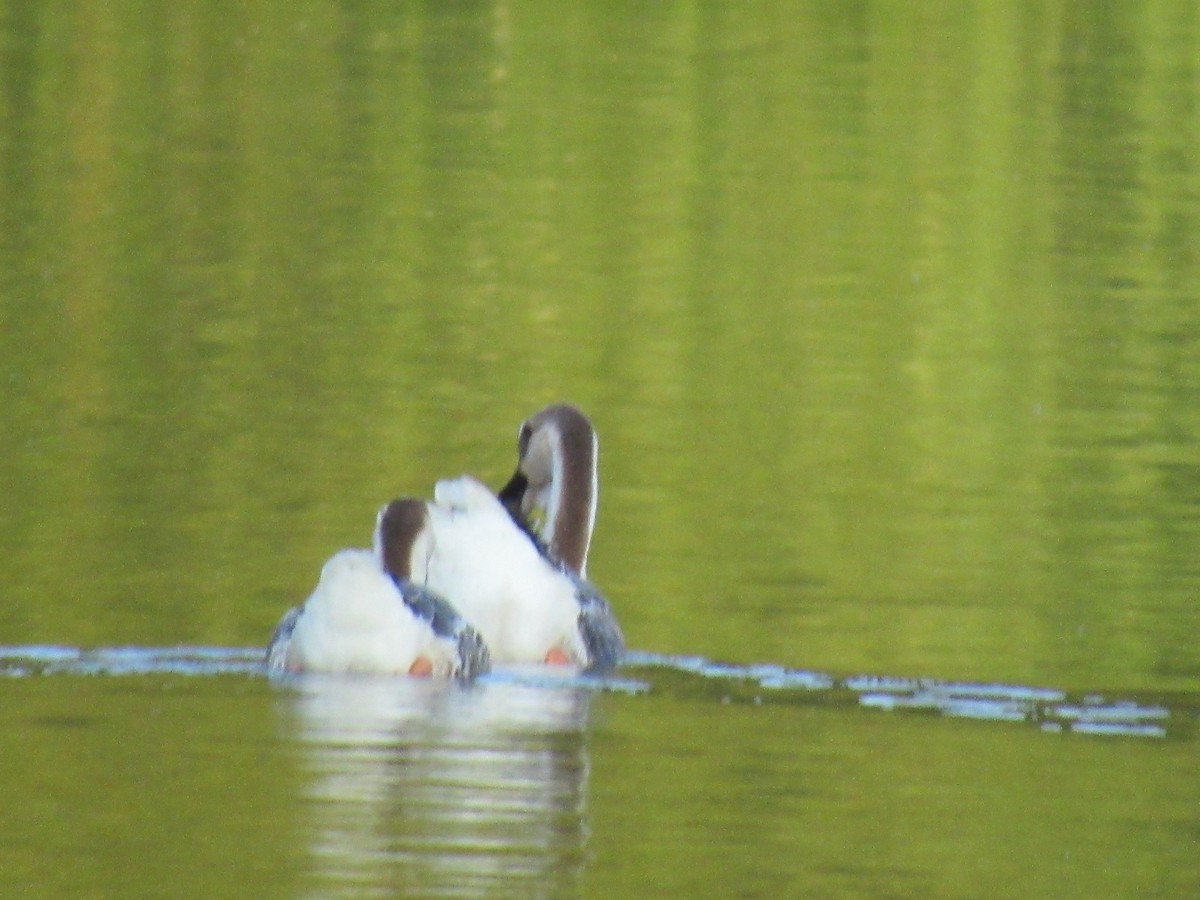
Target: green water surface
[[888, 317]]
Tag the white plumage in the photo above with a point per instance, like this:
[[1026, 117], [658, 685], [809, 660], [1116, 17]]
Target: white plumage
[[522, 605], [357, 621]]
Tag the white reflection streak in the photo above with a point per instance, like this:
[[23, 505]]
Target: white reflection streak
[[429, 788]]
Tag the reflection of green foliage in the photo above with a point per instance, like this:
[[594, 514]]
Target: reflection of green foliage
[[887, 322], [150, 786], [782, 800], [887, 315]]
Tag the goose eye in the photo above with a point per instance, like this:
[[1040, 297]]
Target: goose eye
[[523, 438]]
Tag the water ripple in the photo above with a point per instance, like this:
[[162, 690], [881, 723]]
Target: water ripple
[[1051, 709], [1048, 708], [49, 659]]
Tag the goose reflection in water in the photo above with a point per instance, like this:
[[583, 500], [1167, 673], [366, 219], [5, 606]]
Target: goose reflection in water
[[423, 788]]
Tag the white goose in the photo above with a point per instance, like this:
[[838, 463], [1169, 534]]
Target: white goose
[[513, 565], [360, 619]]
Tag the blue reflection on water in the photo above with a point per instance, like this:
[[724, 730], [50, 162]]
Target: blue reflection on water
[[50, 659], [1048, 708]]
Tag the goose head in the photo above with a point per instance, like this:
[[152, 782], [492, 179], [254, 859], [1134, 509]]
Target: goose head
[[554, 490]]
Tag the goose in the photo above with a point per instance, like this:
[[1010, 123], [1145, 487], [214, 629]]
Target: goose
[[514, 565], [527, 607], [361, 619]]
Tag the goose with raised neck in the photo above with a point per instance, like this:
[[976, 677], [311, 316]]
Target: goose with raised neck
[[514, 565], [555, 489]]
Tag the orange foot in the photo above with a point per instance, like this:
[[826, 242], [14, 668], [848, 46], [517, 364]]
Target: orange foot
[[421, 667], [557, 657]]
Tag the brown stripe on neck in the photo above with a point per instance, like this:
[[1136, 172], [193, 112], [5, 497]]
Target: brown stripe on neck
[[577, 452], [399, 525]]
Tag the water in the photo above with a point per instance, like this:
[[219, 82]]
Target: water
[[889, 322], [527, 784]]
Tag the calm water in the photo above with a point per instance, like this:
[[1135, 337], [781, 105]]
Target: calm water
[[889, 322]]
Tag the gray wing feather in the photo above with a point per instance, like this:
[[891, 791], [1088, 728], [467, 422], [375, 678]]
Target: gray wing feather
[[599, 629], [281, 640], [473, 656]]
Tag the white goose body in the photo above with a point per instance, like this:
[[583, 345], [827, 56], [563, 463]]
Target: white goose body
[[360, 619], [524, 607]]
